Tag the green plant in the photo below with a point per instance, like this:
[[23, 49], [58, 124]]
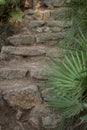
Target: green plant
[[10, 12], [68, 78], [68, 83], [9, 9], [76, 12]]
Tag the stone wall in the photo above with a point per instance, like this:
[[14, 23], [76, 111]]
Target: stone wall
[[22, 61]]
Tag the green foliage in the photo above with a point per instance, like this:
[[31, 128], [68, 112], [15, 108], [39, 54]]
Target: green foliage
[[2, 2], [16, 15], [84, 117], [68, 78], [6, 30], [68, 82], [9, 9], [10, 12], [77, 13]]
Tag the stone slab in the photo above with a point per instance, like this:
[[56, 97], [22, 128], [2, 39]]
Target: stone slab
[[24, 97], [49, 37], [22, 39], [24, 50]]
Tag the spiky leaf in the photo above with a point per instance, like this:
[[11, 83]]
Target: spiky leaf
[[67, 81]]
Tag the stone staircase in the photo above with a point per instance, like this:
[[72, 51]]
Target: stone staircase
[[22, 70]]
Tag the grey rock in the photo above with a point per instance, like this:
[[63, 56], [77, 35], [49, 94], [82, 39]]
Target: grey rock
[[58, 23], [55, 3], [24, 51], [48, 37], [22, 39], [56, 29], [1, 102], [17, 128], [20, 124], [0, 127], [39, 15], [58, 3], [35, 23], [39, 111], [19, 114], [11, 73], [29, 12], [24, 98], [39, 29], [50, 121], [23, 71], [46, 116], [47, 29], [38, 71], [58, 14], [47, 15], [54, 52], [34, 122]]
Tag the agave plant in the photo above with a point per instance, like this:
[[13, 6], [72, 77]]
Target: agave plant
[[68, 81]]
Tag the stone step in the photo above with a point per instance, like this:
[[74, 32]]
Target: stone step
[[20, 93], [49, 26], [31, 51], [28, 39], [25, 103], [48, 23], [49, 4], [36, 23], [23, 70], [49, 38], [53, 3], [47, 14], [24, 51], [22, 39]]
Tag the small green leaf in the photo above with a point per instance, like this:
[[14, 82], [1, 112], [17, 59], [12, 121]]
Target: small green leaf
[[16, 15], [2, 2], [84, 118]]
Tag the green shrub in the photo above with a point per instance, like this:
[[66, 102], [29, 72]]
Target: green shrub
[[68, 78], [9, 9], [10, 14], [68, 82], [77, 13]]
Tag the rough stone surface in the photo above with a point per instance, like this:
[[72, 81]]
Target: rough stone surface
[[47, 15], [21, 39], [35, 23], [24, 98], [55, 3], [58, 23], [57, 14], [29, 12], [24, 70], [39, 15], [44, 114], [50, 121], [12, 73], [19, 114], [34, 122], [33, 50], [38, 72], [47, 37], [24, 51]]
